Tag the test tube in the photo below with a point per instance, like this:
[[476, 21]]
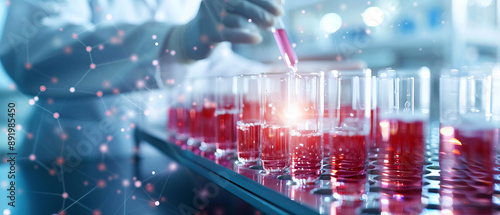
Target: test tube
[[403, 102], [248, 125], [284, 45], [208, 121], [195, 106], [305, 116], [348, 95], [226, 114], [274, 130], [468, 139]]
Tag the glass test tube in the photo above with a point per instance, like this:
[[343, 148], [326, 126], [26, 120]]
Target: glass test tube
[[403, 102], [226, 114], [305, 116], [468, 139], [347, 95], [248, 125], [274, 130]]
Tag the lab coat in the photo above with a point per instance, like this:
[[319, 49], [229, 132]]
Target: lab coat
[[47, 43]]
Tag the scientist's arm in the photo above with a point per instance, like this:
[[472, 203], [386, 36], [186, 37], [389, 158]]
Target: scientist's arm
[[45, 43]]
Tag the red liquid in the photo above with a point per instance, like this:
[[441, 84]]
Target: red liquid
[[285, 47], [226, 132], [467, 158], [348, 157], [327, 147], [195, 123], [208, 124], [248, 144], [250, 111], [182, 124], [172, 124], [402, 154], [275, 152], [306, 156]]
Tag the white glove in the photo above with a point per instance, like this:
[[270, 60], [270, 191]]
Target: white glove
[[236, 21]]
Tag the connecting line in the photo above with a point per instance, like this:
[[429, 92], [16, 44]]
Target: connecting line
[[81, 204], [79, 199], [131, 102], [44, 109], [38, 133], [44, 193], [164, 184], [124, 201], [82, 78]]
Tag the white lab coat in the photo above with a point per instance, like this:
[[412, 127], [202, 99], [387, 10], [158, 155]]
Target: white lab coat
[[41, 33]]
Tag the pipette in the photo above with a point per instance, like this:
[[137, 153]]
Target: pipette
[[287, 52]]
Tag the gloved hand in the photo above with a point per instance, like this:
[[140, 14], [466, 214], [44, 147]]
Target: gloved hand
[[235, 21]]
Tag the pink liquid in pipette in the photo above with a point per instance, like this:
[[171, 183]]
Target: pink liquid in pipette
[[285, 48]]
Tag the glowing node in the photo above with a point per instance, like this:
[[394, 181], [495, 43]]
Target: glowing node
[[78, 127], [153, 172], [99, 93], [88, 49], [85, 183], [109, 17], [146, 113], [172, 52], [195, 48], [65, 195], [56, 115], [36, 98], [52, 172], [373, 16], [133, 58], [103, 148], [133, 197], [249, 20], [122, 130], [50, 101], [118, 191], [101, 183], [68, 50], [154, 37], [415, 4], [60, 161], [156, 43], [74, 36], [31, 102], [109, 138], [32, 157], [101, 167], [157, 203], [172, 167], [96, 212], [30, 135], [155, 62], [71, 89], [101, 47], [54, 80], [140, 84], [43, 88], [303, 11], [64, 136], [6, 212], [92, 66], [126, 182], [137, 184]]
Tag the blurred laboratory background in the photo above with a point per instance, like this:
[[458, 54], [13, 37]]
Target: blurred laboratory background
[[382, 33]]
